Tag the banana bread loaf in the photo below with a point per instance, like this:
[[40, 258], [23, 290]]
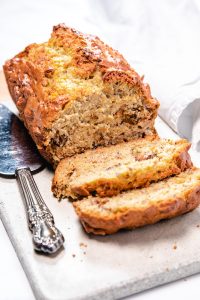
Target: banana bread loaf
[[75, 93], [108, 171], [165, 199]]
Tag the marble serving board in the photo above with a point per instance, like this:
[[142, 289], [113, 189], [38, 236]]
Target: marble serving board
[[91, 267]]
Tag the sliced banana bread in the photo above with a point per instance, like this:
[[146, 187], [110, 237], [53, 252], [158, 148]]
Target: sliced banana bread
[[74, 93], [110, 170], [165, 199]]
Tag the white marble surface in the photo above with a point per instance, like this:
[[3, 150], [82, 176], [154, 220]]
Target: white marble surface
[[14, 284], [21, 23]]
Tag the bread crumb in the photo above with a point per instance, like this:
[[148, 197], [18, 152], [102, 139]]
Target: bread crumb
[[174, 247], [83, 245]]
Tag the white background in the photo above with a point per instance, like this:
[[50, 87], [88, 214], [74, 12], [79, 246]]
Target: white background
[[23, 22]]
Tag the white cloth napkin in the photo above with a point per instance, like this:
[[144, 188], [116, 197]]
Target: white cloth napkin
[[160, 39]]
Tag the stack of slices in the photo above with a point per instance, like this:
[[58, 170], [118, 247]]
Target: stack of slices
[[130, 184]]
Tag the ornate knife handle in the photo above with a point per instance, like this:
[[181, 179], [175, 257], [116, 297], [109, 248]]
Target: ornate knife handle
[[46, 237]]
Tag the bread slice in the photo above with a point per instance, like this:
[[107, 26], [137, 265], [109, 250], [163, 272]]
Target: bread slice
[[162, 200], [108, 171], [75, 93]]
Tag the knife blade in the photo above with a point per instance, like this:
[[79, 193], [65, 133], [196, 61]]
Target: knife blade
[[17, 149]]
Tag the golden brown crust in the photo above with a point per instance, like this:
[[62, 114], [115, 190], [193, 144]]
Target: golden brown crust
[[25, 82], [108, 223], [27, 76]]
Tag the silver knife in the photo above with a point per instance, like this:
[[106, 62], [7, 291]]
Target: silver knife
[[19, 158]]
